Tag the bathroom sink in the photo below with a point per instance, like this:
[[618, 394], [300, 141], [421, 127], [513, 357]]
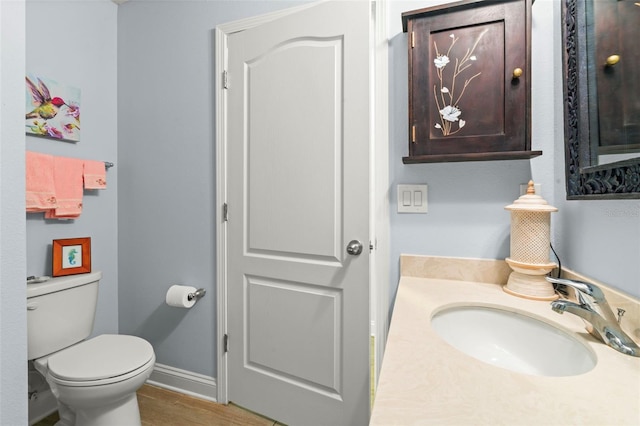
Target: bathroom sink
[[513, 340]]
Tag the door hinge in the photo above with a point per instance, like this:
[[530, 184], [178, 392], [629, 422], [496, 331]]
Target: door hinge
[[225, 212], [225, 79], [413, 133], [225, 343], [413, 39]]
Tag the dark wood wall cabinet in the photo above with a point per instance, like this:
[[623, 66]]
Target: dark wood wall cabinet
[[469, 81]]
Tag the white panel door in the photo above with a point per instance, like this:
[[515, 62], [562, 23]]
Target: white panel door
[[298, 193]]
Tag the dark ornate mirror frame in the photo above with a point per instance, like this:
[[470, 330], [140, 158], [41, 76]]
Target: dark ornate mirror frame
[[585, 180]]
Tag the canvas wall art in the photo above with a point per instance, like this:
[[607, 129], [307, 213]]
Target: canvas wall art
[[52, 109]]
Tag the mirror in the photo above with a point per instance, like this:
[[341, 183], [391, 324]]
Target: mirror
[[602, 133]]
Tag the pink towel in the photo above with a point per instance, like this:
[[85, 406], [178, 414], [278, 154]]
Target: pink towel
[[68, 183], [41, 193], [95, 175]]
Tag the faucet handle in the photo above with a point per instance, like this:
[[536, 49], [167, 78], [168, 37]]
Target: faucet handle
[[583, 287]]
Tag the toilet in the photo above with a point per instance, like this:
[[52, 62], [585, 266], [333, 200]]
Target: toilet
[[95, 380]]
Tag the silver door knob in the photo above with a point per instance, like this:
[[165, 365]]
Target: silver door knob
[[354, 247]]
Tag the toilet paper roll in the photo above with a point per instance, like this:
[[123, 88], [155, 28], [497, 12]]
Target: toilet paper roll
[[178, 296]]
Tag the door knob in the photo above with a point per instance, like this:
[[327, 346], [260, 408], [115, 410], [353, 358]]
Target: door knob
[[354, 247]]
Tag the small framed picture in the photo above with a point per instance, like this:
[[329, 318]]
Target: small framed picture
[[71, 256]]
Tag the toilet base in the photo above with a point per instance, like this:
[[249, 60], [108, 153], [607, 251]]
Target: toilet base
[[105, 405], [123, 413]]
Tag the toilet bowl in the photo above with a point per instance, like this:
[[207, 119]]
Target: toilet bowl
[[94, 380]]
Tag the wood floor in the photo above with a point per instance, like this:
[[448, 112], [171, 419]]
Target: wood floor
[[162, 407]]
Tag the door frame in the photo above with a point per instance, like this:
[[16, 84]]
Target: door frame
[[378, 177]]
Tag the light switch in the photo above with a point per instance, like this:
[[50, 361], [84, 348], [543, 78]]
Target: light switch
[[412, 198], [406, 198], [417, 198]]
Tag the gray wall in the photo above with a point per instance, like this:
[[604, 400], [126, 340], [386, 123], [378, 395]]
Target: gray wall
[[601, 239], [13, 322], [466, 201], [75, 43], [166, 158]]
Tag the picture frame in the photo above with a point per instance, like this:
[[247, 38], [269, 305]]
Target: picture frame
[[52, 109], [71, 256]]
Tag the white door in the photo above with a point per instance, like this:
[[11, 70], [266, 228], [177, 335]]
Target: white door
[[298, 105]]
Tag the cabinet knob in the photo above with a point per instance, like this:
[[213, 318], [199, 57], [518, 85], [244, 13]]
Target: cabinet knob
[[612, 60], [517, 73]]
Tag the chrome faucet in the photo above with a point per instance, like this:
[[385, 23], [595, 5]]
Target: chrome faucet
[[593, 308]]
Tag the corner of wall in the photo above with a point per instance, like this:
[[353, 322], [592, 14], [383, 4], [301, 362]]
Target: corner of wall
[[13, 322]]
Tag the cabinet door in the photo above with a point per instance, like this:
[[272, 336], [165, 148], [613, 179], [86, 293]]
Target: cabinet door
[[617, 31], [464, 98]]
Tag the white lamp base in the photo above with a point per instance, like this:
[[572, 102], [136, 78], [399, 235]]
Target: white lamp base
[[529, 281]]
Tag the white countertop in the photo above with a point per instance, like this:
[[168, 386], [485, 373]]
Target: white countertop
[[423, 380]]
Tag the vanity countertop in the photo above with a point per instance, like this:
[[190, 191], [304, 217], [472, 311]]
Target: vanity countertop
[[423, 380]]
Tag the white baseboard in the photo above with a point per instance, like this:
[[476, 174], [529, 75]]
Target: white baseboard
[[186, 382]]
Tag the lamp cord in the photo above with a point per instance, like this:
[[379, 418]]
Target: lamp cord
[[559, 263]]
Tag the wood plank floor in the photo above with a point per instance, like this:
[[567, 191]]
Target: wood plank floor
[[162, 407]]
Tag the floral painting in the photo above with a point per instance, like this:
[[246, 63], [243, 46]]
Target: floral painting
[[52, 110], [451, 86]]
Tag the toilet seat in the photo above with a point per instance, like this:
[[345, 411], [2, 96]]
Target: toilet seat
[[105, 359]]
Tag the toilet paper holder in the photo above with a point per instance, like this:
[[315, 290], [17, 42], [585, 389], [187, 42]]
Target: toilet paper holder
[[198, 294]]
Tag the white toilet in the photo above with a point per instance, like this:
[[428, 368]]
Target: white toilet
[[95, 381]]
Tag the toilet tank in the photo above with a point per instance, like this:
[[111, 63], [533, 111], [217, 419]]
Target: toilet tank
[[60, 312]]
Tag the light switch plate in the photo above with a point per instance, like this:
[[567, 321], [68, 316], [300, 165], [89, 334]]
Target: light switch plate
[[412, 198]]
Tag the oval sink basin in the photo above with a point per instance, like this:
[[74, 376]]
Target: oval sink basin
[[514, 341]]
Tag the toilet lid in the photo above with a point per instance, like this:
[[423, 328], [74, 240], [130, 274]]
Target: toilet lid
[[102, 357]]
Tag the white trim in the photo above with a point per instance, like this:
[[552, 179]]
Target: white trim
[[379, 180], [182, 381], [247, 23], [221, 199]]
